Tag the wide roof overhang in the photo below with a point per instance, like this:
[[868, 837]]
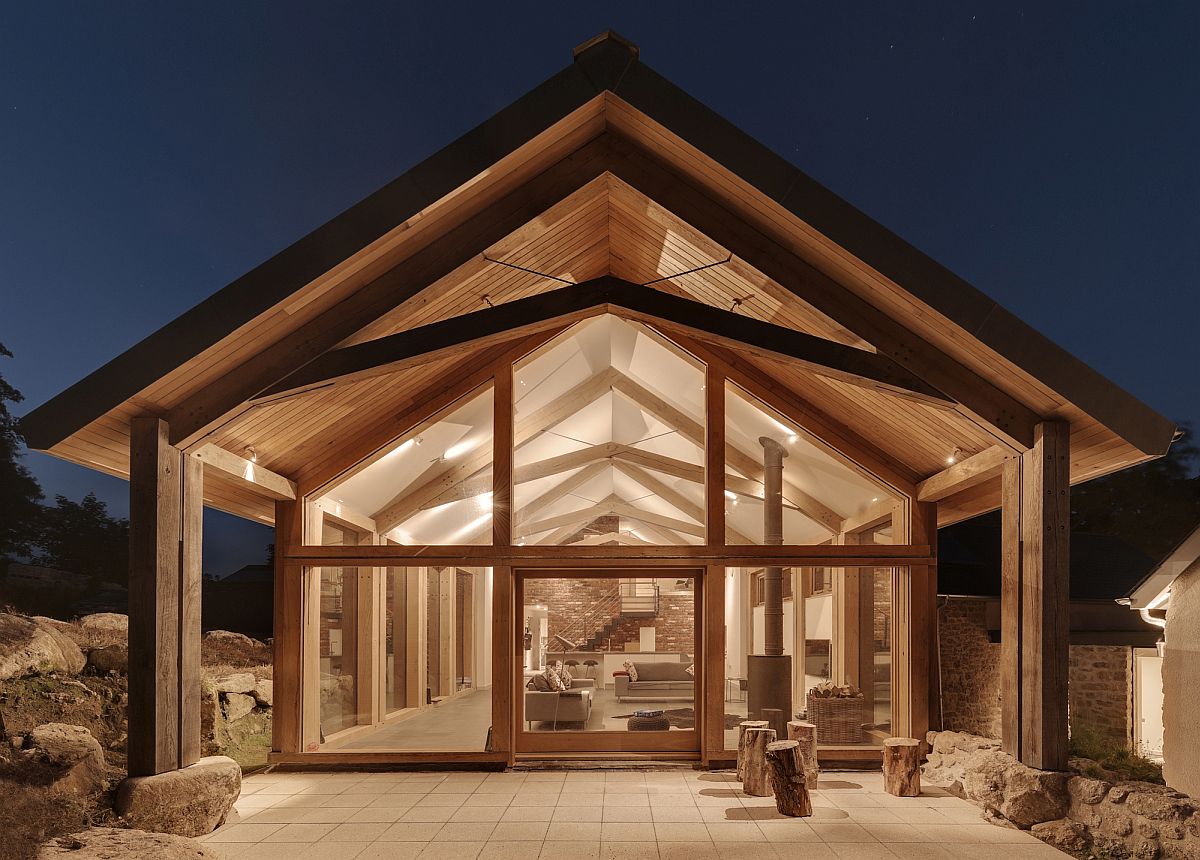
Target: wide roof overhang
[[604, 189]]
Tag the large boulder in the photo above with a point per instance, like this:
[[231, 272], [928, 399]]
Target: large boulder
[[240, 682], [264, 693], [1018, 793], [109, 658], [1065, 835], [237, 705], [111, 622], [107, 843], [228, 637], [29, 647], [950, 755], [192, 801], [74, 755]]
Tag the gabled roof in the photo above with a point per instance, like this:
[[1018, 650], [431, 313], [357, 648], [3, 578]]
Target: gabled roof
[[604, 169]]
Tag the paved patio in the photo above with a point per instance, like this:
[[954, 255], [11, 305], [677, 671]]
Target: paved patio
[[589, 815]]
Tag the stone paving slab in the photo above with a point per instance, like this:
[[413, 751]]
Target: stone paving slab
[[598, 815]]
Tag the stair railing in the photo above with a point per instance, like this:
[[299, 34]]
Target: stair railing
[[594, 617]]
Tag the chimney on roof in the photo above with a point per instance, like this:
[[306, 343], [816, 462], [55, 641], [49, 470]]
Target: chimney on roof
[[606, 36]]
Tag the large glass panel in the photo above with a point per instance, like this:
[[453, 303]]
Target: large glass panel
[[825, 498], [401, 659], [609, 439], [840, 620], [590, 628], [432, 487], [338, 651]]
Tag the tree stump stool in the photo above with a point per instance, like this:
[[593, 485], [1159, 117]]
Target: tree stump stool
[[786, 766], [754, 767], [805, 734], [902, 767], [741, 747]]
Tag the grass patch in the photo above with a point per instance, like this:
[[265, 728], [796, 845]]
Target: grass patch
[[1112, 760], [31, 813]]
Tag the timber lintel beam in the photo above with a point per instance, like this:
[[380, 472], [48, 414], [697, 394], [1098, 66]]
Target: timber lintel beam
[[967, 473], [247, 473]]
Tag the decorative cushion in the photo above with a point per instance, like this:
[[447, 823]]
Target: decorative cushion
[[631, 669], [564, 675], [553, 680], [539, 683], [691, 670]]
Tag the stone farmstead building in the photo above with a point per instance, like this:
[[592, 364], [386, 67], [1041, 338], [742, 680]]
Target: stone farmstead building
[[605, 382]]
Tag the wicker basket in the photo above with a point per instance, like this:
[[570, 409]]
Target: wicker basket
[[838, 720]]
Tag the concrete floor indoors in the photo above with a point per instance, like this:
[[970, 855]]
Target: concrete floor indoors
[[598, 815], [461, 723]]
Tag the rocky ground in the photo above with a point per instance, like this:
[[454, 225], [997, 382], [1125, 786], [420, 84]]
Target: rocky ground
[[63, 697], [1089, 811]]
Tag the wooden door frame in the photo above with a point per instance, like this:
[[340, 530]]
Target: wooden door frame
[[625, 744]]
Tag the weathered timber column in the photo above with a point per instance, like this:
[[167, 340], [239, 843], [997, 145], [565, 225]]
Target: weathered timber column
[[165, 514], [287, 629], [1035, 590], [770, 673]]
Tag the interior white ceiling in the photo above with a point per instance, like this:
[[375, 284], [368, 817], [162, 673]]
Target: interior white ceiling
[[458, 448]]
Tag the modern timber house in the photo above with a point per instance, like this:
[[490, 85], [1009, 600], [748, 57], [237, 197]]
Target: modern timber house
[[603, 381]]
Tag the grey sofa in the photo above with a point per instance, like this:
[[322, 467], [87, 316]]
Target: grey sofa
[[657, 681], [570, 706]]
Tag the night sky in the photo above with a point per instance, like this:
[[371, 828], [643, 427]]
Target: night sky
[[150, 154]]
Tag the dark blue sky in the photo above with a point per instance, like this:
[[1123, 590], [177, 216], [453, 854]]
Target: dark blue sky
[[150, 153]]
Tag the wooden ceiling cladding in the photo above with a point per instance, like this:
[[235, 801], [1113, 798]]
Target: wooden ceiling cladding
[[300, 431], [603, 225]]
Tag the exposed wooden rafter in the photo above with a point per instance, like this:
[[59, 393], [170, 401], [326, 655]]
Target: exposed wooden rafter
[[609, 295]]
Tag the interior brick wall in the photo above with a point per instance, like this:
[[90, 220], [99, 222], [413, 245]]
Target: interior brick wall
[[1100, 679], [568, 600]]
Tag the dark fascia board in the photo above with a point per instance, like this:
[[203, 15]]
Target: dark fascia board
[[887, 253], [607, 63], [603, 295]]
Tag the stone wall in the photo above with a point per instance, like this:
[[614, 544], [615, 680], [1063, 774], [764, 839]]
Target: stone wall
[[970, 666], [1181, 684], [1100, 682], [1100, 691]]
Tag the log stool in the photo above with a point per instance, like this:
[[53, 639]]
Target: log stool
[[786, 767], [754, 777], [743, 726], [806, 734], [902, 767]]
